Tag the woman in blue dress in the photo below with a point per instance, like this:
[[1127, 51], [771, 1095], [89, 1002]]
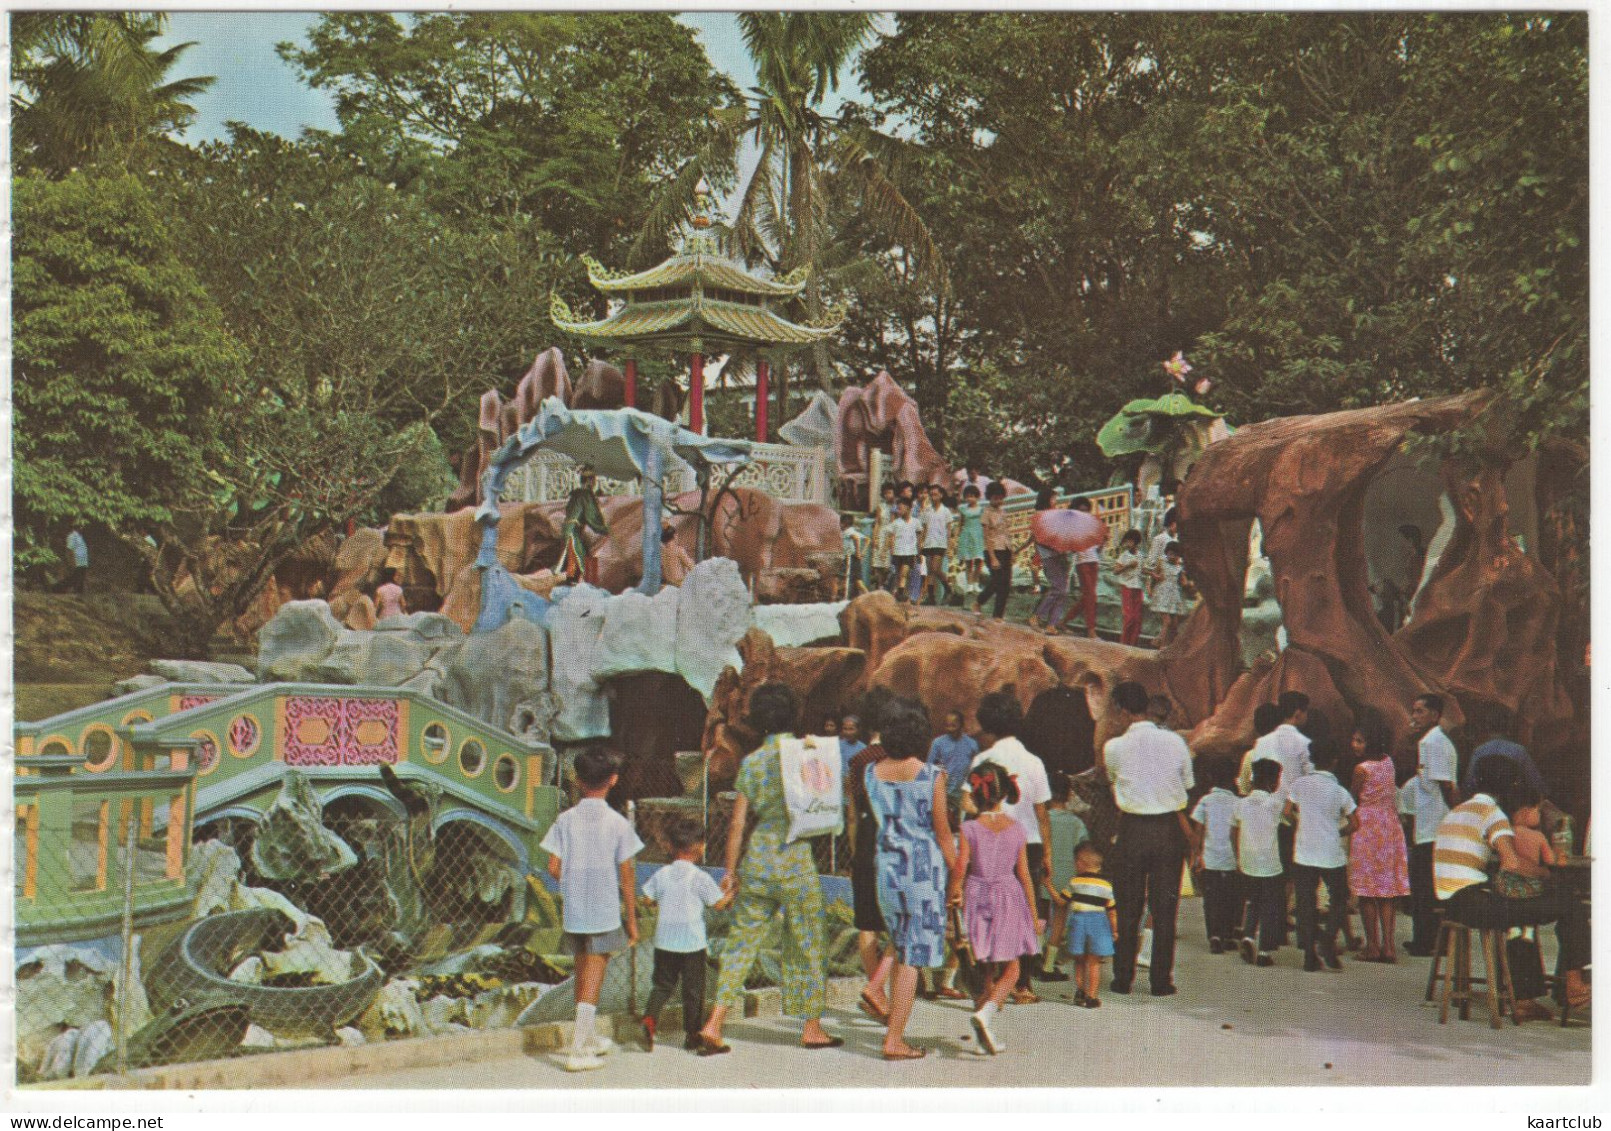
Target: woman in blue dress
[[915, 855]]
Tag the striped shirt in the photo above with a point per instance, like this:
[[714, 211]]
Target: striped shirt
[[1088, 893], [1465, 844]]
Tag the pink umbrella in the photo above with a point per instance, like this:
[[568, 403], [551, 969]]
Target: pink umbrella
[[1068, 531]]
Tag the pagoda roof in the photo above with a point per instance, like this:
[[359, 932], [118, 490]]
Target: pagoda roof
[[710, 322], [701, 266]]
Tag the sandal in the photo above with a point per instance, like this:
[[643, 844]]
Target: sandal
[[872, 1009], [951, 993], [830, 1043], [708, 1047], [909, 1054], [1024, 997]]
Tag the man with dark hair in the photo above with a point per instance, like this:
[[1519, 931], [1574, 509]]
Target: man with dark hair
[[1266, 717], [1470, 838], [1000, 718], [1431, 794], [1151, 772]]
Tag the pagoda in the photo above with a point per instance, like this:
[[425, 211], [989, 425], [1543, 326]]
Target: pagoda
[[701, 303]]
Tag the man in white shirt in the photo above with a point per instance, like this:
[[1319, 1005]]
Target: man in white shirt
[[1150, 769], [1430, 795], [1000, 718], [1286, 743], [1322, 810]]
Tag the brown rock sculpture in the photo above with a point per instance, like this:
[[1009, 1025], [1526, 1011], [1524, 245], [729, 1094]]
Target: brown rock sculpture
[[881, 415], [1304, 479], [1486, 623]]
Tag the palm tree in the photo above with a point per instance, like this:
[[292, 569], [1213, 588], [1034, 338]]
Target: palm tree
[[89, 87], [805, 158]]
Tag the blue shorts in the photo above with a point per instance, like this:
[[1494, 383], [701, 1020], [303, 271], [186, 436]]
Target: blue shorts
[[1089, 932]]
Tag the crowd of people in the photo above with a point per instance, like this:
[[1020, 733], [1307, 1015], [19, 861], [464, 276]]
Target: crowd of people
[[925, 544], [968, 862]]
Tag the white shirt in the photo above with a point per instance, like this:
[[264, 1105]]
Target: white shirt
[[1437, 763], [1150, 769], [1094, 554], [1127, 569], [592, 841], [1155, 552], [1322, 805], [1214, 812], [1030, 774], [1257, 816], [906, 532], [936, 527], [683, 891], [1285, 744]]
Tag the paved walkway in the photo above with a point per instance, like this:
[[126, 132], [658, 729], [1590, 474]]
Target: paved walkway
[[1230, 1024]]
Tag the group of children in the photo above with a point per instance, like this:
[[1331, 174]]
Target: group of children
[[911, 540]]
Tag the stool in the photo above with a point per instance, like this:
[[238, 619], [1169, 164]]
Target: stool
[[1458, 985]]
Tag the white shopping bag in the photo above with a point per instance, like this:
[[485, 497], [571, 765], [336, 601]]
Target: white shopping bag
[[812, 786]]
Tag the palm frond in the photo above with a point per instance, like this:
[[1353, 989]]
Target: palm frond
[[887, 208], [673, 204]]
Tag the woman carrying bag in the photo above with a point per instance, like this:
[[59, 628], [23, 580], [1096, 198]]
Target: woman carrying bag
[[778, 875]]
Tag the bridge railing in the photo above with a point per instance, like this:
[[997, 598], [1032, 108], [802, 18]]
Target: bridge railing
[[96, 733], [338, 736], [796, 475]]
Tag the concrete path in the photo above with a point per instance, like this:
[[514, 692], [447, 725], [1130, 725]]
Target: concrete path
[[1230, 1024]]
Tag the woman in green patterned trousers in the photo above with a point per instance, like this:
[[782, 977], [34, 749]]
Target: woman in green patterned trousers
[[774, 877]]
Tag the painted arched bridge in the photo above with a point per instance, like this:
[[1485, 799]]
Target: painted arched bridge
[[177, 756]]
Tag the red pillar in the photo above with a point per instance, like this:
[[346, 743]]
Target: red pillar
[[632, 382], [762, 392], [696, 392]]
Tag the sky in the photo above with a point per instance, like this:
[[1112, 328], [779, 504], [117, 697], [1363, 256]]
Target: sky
[[254, 85]]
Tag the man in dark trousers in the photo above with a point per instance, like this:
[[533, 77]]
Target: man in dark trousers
[[1150, 769]]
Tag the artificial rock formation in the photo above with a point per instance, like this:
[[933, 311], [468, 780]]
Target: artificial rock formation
[[1304, 478], [1486, 624], [601, 385], [881, 415]]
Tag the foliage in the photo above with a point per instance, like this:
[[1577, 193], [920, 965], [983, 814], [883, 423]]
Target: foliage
[[89, 87], [565, 118], [119, 351], [1314, 207]]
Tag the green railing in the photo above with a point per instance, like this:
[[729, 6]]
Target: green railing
[[80, 834], [95, 733], [338, 737]]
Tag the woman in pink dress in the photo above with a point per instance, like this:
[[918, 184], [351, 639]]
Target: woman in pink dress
[[1378, 865], [997, 894]]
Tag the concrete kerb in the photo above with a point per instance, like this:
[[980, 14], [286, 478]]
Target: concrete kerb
[[301, 1068]]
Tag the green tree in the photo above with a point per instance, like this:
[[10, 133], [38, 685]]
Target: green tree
[[90, 87], [119, 352], [566, 118]]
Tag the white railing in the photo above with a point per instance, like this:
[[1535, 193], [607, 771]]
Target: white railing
[[796, 475]]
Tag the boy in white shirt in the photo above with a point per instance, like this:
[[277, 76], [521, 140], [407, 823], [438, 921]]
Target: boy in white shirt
[[906, 534], [1258, 857], [1322, 810], [590, 849], [936, 539], [1213, 858], [683, 891]]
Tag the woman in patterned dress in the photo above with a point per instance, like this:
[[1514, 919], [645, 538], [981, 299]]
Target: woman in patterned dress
[[1378, 866], [775, 877], [915, 855]]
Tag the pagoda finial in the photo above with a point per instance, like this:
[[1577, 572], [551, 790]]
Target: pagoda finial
[[702, 204]]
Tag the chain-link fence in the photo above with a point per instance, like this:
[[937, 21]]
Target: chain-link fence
[[346, 923]]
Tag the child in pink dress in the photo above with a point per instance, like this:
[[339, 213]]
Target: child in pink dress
[[992, 882]]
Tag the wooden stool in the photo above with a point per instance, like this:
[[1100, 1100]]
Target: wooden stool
[[1458, 985]]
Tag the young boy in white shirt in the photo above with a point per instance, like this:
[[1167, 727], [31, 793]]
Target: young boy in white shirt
[[590, 849], [1322, 811], [936, 520], [906, 532], [1258, 858], [683, 891], [1213, 857]]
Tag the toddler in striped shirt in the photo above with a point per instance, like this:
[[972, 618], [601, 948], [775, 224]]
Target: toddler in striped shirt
[[1091, 923]]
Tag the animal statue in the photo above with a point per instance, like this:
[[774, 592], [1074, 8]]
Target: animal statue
[[881, 415]]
